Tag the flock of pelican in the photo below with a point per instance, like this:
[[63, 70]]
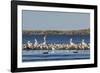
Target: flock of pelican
[[45, 46]]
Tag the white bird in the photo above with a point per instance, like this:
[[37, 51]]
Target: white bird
[[44, 43], [29, 44], [83, 43], [71, 43], [35, 43]]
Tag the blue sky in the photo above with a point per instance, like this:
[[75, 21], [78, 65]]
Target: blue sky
[[44, 20]]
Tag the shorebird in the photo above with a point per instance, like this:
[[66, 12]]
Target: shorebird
[[29, 44], [84, 45], [71, 43], [44, 43], [35, 43]]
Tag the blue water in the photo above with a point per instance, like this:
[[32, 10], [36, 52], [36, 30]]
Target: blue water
[[56, 38], [37, 55]]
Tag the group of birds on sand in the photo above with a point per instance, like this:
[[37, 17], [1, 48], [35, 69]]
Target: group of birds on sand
[[81, 45], [43, 45]]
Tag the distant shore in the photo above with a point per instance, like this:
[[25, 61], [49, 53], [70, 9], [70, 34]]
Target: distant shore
[[57, 32]]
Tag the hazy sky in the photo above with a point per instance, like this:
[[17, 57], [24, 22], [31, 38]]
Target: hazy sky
[[44, 20]]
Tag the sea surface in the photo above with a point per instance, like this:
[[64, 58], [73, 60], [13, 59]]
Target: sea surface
[[49, 55], [56, 38]]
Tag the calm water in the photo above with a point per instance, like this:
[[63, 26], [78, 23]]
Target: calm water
[[56, 38], [37, 55]]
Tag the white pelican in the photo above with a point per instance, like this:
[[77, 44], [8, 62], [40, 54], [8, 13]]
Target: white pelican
[[71, 43], [83, 44], [35, 43], [29, 44], [44, 43]]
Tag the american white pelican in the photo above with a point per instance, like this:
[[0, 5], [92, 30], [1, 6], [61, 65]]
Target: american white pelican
[[71, 43], [83, 43], [44, 43], [29, 44], [35, 43]]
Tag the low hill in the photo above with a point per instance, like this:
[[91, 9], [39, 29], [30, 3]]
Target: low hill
[[57, 32]]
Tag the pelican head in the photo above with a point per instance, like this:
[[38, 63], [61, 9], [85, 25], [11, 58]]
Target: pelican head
[[28, 41], [71, 40], [44, 37], [82, 40], [35, 40]]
